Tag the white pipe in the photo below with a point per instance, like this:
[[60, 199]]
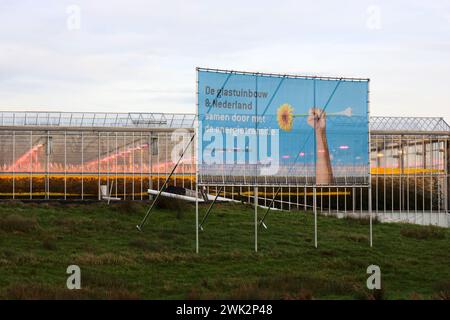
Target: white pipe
[[174, 195], [192, 199]]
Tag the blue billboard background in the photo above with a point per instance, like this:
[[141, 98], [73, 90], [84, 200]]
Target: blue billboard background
[[296, 128]]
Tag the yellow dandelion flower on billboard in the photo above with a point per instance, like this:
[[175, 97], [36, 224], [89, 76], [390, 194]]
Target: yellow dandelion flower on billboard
[[285, 117]]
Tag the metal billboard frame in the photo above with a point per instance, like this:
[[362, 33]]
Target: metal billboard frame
[[256, 185]]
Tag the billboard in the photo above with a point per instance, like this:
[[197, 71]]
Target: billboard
[[264, 129]]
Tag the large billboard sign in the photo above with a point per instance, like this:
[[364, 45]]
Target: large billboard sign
[[263, 129]]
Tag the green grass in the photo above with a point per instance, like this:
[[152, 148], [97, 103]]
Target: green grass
[[39, 241]]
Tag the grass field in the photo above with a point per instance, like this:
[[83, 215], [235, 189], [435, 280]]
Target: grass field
[[39, 241]]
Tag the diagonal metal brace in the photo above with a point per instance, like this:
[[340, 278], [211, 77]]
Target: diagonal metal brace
[[261, 222], [141, 225], [209, 209]]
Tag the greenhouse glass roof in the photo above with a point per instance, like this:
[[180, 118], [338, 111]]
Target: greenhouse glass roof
[[182, 120], [97, 119]]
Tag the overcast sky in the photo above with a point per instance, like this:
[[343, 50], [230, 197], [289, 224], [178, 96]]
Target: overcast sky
[[138, 55]]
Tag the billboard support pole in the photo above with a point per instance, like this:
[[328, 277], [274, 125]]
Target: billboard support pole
[[370, 214], [315, 215], [196, 132], [256, 218], [369, 147], [196, 218]]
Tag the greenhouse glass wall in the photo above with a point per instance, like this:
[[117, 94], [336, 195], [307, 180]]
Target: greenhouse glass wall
[[71, 155]]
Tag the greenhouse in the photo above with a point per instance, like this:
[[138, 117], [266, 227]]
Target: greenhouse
[[75, 156]]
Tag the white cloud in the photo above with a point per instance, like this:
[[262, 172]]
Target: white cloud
[[141, 55]]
